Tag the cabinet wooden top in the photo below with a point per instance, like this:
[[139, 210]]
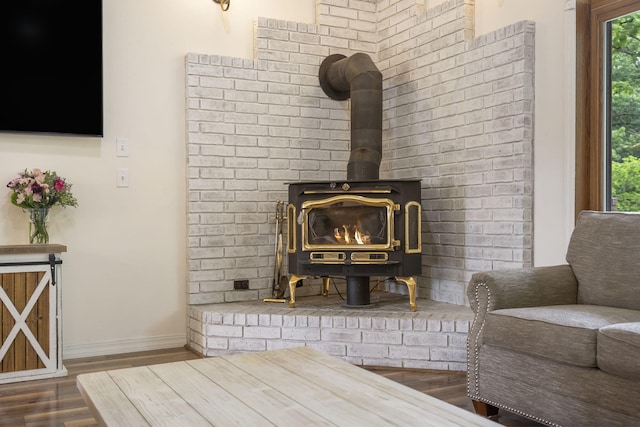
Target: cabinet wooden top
[[31, 249]]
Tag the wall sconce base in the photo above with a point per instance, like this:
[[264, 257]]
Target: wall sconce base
[[224, 4]]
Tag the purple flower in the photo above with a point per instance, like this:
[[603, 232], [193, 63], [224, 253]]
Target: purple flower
[[38, 188]]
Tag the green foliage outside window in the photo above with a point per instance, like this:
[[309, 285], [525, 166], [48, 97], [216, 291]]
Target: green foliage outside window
[[625, 183], [625, 112]]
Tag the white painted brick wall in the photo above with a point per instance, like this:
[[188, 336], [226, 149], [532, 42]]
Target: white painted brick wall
[[458, 114], [478, 171], [411, 339]]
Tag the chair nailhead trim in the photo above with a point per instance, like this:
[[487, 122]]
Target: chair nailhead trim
[[476, 357]]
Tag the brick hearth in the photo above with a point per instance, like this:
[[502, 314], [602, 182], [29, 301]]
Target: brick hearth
[[385, 334]]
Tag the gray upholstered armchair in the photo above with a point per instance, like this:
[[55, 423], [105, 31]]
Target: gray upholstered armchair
[[561, 344]]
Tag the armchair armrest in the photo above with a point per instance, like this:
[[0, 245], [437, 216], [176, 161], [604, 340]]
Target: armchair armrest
[[494, 290], [527, 287]]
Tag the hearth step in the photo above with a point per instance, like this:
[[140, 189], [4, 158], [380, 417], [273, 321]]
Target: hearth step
[[383, 334]]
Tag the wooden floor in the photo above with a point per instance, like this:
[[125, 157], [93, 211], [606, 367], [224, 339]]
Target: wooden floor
[[57, 401]]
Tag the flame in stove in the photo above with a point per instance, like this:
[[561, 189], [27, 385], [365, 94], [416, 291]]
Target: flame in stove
[[350, 235]]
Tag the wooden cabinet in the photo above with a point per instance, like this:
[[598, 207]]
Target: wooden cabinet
[[30, 303]]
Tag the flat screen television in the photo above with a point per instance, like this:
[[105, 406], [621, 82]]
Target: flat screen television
[[51, 66]]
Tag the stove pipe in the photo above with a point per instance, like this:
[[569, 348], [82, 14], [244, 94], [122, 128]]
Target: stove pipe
[[358, 78]]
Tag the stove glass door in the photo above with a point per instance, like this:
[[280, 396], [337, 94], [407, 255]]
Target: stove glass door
[[348, 222]]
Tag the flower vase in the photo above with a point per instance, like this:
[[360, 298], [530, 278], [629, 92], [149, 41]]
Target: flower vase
[[38, 233]]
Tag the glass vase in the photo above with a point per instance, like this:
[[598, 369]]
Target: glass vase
[[38, 233]]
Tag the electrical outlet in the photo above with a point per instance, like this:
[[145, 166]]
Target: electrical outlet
[[240, 284]]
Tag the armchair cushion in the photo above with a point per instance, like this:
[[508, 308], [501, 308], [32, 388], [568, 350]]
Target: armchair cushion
[[564, 333], [603, 253], [619, 350]]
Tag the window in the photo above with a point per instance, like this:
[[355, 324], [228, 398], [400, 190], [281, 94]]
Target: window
[[622, 113], [608, 97]]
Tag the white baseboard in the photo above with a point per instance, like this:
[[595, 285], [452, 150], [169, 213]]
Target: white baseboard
[[74, 351]]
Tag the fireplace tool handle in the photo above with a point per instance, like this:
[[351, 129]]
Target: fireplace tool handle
[[280, 282]]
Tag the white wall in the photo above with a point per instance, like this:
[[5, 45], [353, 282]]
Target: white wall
[[125, 269]]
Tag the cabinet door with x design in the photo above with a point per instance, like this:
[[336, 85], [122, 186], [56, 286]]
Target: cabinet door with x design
[[29, 318]]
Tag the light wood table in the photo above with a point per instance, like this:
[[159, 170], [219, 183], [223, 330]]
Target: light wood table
[[292, 387]]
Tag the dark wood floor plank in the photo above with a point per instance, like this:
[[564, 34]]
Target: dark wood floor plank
[[56, 402]]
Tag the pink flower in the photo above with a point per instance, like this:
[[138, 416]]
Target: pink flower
[[37, 188]]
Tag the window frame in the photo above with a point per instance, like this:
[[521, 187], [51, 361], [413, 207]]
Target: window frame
[[591, 16]]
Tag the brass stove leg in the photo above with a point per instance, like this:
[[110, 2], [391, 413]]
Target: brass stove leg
[[411, 286], [293, 280], [325, 286]]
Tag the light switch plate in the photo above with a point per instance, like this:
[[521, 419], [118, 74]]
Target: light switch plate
[[122, 177], [122, 147]]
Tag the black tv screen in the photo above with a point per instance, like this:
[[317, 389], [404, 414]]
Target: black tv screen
[[51, 66]]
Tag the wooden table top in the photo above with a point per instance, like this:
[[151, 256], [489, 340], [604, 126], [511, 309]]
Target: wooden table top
[[32, 249], [290, 387]]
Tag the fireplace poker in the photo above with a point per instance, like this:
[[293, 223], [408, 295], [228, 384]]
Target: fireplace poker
[[280, 281]]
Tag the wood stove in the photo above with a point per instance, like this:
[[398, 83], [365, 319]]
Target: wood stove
[[363, 226], [355, 229]]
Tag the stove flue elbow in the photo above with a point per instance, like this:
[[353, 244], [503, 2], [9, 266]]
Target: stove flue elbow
[[358, 78]]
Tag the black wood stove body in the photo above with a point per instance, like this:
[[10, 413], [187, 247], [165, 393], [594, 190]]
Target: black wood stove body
[[363, 226], [355, 229]]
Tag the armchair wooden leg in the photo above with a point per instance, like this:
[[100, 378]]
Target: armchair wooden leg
[[484, 409]]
